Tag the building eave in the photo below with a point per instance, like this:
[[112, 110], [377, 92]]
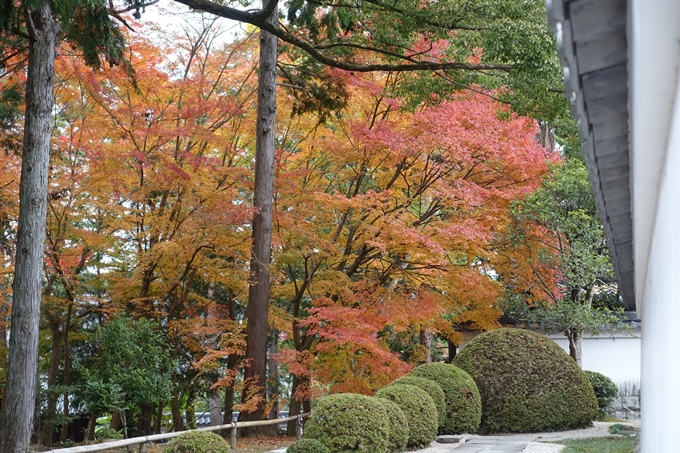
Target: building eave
[[593, 48]]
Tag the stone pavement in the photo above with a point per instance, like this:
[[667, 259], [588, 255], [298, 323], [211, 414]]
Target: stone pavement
[[511, 443], [517, 443], [486, 444]]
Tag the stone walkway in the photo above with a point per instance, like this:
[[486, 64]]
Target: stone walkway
[[511, 443]]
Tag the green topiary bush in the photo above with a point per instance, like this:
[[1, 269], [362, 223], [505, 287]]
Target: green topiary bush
[[398, 426], [527, 382], [345, 422], [197, 441], [604, 388], [308, 446], [431, 388], [420, 411], [463, 402]]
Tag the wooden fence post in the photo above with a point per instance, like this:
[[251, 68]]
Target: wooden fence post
[[298, 428], [233, 437], [143, 448]]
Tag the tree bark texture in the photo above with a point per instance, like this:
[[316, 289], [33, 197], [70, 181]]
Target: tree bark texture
[[16, 417], [258, 293], [426, 343], [177, 420], [215, 407], [55, 360], [575, 346], [296, 405]]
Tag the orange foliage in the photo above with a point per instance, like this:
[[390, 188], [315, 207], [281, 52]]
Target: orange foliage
[[386, 221]]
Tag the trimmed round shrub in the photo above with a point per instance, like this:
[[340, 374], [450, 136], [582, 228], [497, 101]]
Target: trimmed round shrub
[[431, 388], [604, 388], [527, 382], [420, 411], [308, 446], [463, 402], [197, 441], [398, 425], [346, 422]]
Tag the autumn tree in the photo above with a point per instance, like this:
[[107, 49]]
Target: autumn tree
[[558, 232], [385, 226], [168, 156], [462, 44], [88, 26]]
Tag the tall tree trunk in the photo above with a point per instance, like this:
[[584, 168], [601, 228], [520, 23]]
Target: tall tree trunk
[[232, 361], [177, 421], [158, 422], [453, 350], [145, 419], [258, 293], [16, 417], [575, 345], [55, 360], [297, 405], [215, 407], [89, 432], [426, 343], [190, 410], [67, 374]]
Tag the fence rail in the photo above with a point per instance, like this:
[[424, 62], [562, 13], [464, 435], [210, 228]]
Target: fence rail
[[143, 441]]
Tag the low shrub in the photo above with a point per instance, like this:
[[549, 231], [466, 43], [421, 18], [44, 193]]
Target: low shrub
[[604, 388], [527, 383], [420, 411], [623, 430], [346, 422], [431, 388], [308, 446], [398, 426], [463, 402], [197, 441]]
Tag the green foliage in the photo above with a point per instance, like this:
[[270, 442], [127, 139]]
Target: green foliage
[[131, 368], [463, 401], [599, 444], [346, 422], [512, 33], [420, 411], [570, 243], [398, 426], [624, 430], [527, 383], [104, 432], [605, 389], [87, 24], [431, 388], [197, 441], [308, 446]]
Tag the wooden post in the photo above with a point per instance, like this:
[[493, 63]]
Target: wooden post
[[143, 448], [298, 428], [233, 437]]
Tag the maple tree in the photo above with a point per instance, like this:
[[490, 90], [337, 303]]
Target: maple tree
[[374, 36], [35, 28], [176, 206], [386, 221]]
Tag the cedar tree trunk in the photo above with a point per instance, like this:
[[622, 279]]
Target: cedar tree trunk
[[258, 293], [16, 417]]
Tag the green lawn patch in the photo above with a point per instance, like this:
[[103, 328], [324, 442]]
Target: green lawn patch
[[599, 445]]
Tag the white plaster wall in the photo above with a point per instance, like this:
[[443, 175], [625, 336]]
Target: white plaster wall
[[617, 358]]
